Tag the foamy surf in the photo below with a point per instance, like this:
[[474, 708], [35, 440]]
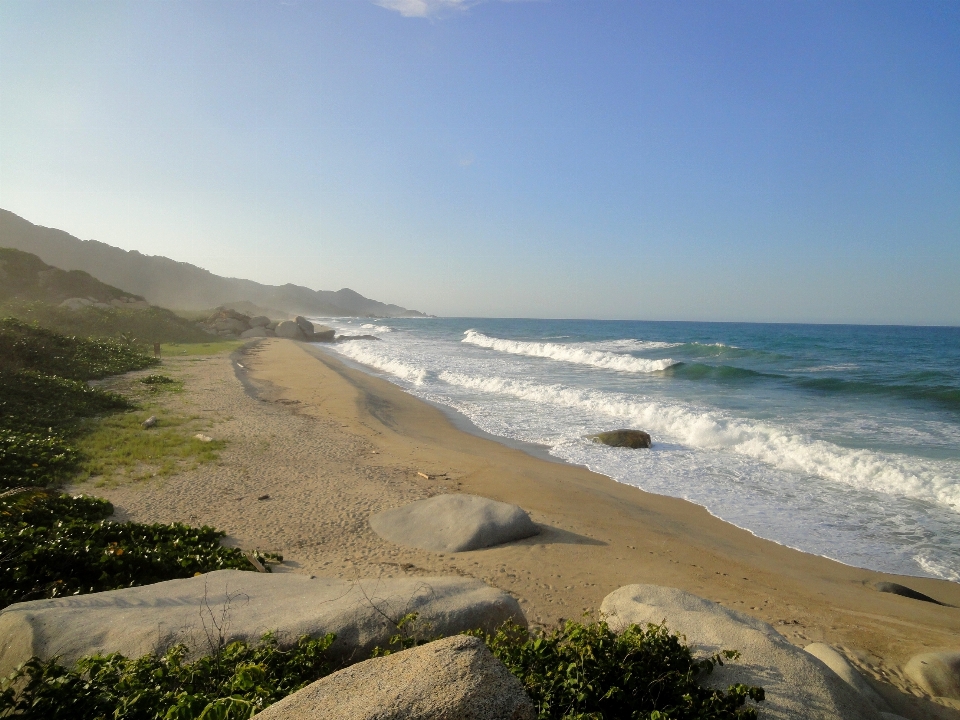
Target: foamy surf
[[568, 353], [870, 479]]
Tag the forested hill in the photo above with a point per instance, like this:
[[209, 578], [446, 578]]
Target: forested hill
[[180, 285]]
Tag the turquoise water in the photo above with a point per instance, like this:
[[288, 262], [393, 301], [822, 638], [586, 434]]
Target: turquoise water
[[838, 440]]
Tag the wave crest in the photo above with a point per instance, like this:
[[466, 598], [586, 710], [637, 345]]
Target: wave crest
[[568, 353]]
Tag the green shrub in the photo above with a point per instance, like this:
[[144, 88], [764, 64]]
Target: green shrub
[[588, 672], [31, 458], [26, 346], [235, 682], [142, 326], [53, 545]]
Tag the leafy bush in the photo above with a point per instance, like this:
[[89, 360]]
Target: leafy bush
[[30, 347], [588, 672], [235, 682], [31, 458], [52, 545], [157, 380]]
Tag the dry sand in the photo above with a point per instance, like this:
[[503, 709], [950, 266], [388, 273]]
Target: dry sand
[[330, 445]]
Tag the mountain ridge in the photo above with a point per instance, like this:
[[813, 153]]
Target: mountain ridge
[[179, 285]]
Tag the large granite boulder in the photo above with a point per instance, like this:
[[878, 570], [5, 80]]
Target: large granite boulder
[[322, 333], [305, 325], [255, 332], [453, 523], [230, 324], [290, 330], [937, 673], [259, 321], [453, 679], [846, 672], [135, 621], [623, 438], [797, 685]]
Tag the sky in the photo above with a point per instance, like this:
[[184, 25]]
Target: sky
[[766, 161]]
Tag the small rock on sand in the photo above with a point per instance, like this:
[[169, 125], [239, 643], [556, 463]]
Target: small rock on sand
[[454, 523], [452, 679], [904, 591]]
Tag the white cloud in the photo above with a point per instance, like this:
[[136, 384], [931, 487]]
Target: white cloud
[[424, 8]]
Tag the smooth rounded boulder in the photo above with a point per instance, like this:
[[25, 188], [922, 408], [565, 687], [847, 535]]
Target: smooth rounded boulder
[[305, 325], [635, 439], [797, 685], [255, 332], [454, 523], [135, 621], [453, 679], [289, 329], [937, 673], [846, 672]]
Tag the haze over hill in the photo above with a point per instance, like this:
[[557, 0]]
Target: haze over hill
[[179, 285]]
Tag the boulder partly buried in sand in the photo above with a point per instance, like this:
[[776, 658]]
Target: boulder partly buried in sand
[[454, 523], [635, 439], [135, 621], [797, 685], [846, 672], [904, 591], [453, 679], [255, 332], [937, 673]]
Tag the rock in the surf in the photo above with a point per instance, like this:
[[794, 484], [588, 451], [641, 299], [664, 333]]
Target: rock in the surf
[[322, 333], [797, 685], [305, 325], [937, 673], [904, 591], [635, 439], [846, 672], [139, 620], [454, 523], [290, 330], [449, 679]]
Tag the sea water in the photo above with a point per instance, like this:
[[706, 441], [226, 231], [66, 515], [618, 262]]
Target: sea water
[[842, 441]]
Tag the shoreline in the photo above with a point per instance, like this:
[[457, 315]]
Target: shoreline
[[462, 422], [330, 444]]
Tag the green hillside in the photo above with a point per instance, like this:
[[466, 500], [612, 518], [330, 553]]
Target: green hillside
[[76, 303]]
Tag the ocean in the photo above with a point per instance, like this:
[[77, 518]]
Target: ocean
[[843, 441]]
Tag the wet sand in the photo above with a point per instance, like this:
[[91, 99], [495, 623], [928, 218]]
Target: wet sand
[[331, 444]]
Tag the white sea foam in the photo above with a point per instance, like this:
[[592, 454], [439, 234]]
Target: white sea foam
[[370, 354], [891, 474], [568, 353], [937, 568]]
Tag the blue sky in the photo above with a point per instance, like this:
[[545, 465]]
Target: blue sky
[[768, 161]]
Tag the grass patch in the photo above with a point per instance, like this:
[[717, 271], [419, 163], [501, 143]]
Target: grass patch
[[117, 447], [214, 347]]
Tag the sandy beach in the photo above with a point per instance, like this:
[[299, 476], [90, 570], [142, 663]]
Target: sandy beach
[[330, 445]]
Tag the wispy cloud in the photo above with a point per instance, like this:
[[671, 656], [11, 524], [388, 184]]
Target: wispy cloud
[[425, 8]]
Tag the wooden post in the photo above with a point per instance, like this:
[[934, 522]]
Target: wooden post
[[156, 350]]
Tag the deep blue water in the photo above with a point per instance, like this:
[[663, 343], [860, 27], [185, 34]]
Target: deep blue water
[[837, 440]]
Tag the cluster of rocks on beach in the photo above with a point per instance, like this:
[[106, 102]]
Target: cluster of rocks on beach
[[231, 325], [455, 677]]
